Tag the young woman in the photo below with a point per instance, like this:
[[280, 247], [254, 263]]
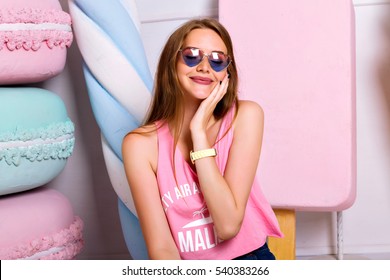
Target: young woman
[[192, 166]]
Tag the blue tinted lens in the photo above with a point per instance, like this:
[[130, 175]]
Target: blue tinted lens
[[217, 60], [192, 57]]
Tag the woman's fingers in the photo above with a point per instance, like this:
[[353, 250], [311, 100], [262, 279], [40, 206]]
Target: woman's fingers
[[219, 91], [206, 108], [224, 86]]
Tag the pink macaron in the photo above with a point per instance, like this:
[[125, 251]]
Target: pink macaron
[[34, 37], [39, 224]]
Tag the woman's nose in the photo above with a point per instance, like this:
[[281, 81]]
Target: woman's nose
[[204, 65]]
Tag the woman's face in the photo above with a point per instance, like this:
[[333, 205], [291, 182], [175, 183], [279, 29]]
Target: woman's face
[[198, 81]]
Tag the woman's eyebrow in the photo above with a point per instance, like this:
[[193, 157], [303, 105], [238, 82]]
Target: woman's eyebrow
[[218, 51]]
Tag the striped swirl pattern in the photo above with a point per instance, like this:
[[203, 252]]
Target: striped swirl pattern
[[119, 86]]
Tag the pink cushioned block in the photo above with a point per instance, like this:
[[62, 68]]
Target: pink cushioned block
[[296, 59]]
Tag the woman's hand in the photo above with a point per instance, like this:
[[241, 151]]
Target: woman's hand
[[205, 111]]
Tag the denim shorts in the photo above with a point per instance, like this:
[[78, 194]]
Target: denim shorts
[[262, 253]]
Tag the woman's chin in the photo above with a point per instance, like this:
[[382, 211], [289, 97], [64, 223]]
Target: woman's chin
[[201, 95]]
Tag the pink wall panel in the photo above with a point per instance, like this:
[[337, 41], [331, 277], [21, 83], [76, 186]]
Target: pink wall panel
[[296, 59]]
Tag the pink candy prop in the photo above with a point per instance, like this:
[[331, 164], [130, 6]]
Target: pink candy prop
[[297, 60]]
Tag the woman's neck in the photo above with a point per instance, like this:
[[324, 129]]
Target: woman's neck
[[190, 109]]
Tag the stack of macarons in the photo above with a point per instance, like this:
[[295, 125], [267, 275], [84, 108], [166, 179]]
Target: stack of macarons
[[36, 134]]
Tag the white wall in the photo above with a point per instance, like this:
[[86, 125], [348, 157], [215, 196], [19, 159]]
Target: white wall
[[366, 224]]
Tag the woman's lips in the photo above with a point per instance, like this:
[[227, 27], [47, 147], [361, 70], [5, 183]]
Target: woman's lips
[[202, 80]]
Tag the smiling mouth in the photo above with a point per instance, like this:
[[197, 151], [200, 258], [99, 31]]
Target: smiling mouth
[[201, 80]]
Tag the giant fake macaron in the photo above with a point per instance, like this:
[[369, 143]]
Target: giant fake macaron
[[34, 37], [36, 138], [39, 224]]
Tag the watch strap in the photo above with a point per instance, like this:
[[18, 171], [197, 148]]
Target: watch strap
[[202, 154]]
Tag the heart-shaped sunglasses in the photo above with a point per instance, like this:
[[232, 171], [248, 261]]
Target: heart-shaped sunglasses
[[193, 56]]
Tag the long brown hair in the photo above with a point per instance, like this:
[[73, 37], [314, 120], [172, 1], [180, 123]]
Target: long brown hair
[[167, 104]]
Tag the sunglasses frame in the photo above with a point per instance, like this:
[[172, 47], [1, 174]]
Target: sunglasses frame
[[208, 58]]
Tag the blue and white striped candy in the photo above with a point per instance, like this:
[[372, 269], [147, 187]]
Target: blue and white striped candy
[[119, 86]]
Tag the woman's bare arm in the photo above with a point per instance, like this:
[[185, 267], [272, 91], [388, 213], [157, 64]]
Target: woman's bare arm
[[227, 194], [139, 151]]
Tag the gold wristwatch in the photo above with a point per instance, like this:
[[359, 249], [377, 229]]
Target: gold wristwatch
[[202, 154]]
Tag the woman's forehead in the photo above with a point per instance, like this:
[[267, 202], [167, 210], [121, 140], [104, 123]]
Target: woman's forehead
[[205, 39]]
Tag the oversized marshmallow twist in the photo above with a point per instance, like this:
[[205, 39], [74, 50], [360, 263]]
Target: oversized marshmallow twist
[[119, 85]]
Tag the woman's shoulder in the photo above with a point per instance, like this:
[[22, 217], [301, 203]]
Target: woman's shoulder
[[249, 111], [249, 121], [140, 139]]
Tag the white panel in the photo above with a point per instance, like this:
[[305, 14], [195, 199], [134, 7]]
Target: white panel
[[370, 2], [155, 11]]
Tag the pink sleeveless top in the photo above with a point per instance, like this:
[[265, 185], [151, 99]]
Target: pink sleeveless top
[[186, 211]]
